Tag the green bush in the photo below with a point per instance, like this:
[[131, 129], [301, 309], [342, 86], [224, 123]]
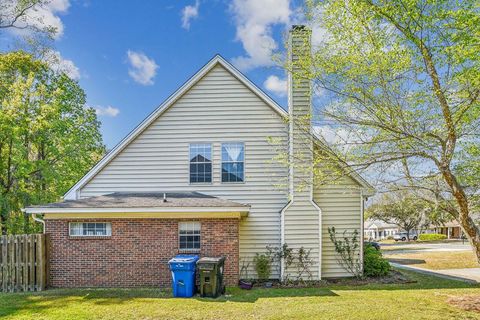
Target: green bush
[[262, 266], [374, 265], [432, 237]]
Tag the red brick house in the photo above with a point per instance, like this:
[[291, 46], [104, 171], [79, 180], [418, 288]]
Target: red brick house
[[197, 176]]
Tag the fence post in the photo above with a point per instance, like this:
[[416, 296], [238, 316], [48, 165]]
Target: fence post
[[31, 262], [4, 263], [11, 256], [25, 261], [40, 262]]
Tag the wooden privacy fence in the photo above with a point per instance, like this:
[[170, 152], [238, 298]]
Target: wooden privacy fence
[[23, 263]]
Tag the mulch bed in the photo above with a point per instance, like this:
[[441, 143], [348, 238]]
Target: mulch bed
[[394, 277], [468, 303]]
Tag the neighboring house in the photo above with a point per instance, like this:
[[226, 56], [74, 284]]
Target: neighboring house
[[196, 176], [378, 230], [452, 228]]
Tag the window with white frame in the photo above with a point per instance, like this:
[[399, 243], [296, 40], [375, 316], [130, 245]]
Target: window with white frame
[[233, 157], [200, 163], [90, 229], [189, 235]]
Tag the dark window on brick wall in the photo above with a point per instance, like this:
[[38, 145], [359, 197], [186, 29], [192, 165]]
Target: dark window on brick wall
[[189, 235]]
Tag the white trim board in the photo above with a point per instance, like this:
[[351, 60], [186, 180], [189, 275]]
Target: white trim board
[[44, 210]]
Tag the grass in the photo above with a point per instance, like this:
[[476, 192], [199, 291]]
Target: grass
[[436, 260], [425, 299]]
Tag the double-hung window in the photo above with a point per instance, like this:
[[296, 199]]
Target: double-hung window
[[233, 166], [90, 229], [200, 163], [189, 235]]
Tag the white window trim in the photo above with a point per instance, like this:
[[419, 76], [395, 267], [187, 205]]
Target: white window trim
[[211, 162], [108, 229], [244, 162], [179, 235]]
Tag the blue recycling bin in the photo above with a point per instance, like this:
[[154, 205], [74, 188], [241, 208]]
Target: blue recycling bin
[[183, 275]]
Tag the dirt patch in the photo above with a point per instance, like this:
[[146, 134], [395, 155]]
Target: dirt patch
[[394, 277], [468, 303]]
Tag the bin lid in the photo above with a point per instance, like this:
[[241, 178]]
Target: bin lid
[[211, 260], [184, 258]]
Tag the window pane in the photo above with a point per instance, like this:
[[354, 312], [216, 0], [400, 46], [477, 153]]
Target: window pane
[[189, 235], [200, 163], [233, 155], [90, 229]]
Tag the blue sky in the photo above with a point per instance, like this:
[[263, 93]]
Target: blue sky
[[129, 57]]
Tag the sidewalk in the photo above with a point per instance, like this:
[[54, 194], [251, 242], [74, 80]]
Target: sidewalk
[[471, 275]]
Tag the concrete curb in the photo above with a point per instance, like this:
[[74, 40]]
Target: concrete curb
[[432, 273]]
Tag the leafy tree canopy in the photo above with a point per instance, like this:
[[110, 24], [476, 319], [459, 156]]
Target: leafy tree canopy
[[400, 94], [48, 137]]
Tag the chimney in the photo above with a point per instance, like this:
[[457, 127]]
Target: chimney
[[300, 110]]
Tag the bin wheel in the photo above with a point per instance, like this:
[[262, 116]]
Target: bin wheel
[[224, 290]]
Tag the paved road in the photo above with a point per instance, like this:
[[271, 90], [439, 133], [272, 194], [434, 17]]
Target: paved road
[[414, 247]]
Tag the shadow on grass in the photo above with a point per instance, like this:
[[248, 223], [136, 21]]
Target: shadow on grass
[[406, 261], [41, 303]]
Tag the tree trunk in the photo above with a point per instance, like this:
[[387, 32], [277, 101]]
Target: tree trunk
[[466, 222]]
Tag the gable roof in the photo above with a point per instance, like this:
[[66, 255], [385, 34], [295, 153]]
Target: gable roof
[[71, 194], [216, 60]]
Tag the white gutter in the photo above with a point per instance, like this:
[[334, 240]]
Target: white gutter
[[34, 210]]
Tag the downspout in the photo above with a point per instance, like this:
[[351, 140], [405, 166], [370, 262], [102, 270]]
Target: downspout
[[37, 219], [362, 226]]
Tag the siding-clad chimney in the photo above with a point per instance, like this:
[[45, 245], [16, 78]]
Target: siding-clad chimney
[[300, 109], [301, 217]]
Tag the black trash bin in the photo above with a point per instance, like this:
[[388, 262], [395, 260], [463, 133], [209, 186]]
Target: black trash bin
[[210, 271]]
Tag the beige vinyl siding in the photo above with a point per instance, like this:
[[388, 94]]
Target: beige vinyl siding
[[301, 229], [219, 108], [341, 208]]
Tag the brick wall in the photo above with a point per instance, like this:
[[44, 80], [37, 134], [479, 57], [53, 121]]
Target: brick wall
[[136, 254]]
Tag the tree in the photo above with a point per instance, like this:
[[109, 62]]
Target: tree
[[48, 138], [20, 14], [401, 86], [407, 211]]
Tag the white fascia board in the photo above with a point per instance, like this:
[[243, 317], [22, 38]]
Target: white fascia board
[[39, 210], [72, 194]]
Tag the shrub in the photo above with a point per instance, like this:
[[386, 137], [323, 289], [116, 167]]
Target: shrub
[[431, 237], [347, 249], [374, 265], [262, 266]]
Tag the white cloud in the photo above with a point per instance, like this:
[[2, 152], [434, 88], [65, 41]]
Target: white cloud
[[108, 111], [142, 68], [60, 64], [41, 16], [254, 20], [189, 13], [276, 85]]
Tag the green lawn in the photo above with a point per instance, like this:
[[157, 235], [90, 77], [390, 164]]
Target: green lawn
[[435, 260], [426, 299]]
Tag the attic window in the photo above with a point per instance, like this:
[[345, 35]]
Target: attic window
[[200, 163]]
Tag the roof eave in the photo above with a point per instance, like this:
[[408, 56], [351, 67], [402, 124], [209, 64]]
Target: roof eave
[[49, 210]]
